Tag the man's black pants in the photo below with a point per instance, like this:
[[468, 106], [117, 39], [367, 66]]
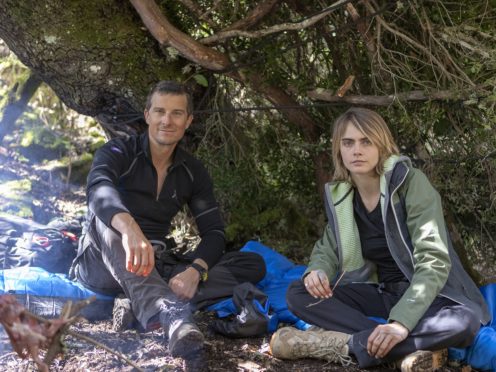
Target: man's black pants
[[101, 268]]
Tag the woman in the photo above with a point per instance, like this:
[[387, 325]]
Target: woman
[[387, 252]]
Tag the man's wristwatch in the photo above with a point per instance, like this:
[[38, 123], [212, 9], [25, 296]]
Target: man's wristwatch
[[201, 270]]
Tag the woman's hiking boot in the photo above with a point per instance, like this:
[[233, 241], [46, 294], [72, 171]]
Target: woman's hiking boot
[[291, 343], [423, 360]]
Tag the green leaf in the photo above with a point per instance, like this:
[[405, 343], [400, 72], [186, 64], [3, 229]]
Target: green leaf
[[200, 79]]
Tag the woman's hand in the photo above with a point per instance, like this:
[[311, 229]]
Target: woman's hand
[[317, 284], [384, 338]]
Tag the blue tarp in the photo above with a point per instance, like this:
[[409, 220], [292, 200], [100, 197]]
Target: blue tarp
[[281, 272], [45, 293]]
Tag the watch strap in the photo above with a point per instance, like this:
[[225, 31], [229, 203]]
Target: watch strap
[[201, 270]]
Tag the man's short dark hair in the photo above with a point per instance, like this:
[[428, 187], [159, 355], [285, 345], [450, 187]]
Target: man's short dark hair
[[170, 87]]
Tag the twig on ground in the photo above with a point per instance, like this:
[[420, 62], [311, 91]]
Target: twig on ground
[[106, 348]]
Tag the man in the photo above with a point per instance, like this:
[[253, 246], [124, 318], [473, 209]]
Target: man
[[135, 187]]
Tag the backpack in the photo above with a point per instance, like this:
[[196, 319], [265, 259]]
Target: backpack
[[26, 243]]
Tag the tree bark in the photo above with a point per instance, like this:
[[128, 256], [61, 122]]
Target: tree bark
[[166, 34], [413, 96]]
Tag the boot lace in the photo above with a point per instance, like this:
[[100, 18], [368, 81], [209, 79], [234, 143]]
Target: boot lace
[[329, 349]]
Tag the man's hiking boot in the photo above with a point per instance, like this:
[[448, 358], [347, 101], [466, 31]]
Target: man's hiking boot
[[122, 314], [186, 341], [291, 343], [425, 361]]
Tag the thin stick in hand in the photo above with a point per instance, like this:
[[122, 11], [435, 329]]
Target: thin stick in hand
[[332, 289]]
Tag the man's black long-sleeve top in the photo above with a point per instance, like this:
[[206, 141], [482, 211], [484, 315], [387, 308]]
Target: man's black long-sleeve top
[[123, 179]]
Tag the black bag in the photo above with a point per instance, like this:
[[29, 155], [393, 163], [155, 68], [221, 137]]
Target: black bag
[[27, 243], [252, 320]]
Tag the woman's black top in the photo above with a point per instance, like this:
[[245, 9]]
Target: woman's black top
[[374, 243]]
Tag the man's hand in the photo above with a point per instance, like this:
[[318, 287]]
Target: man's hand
[[317, 284], [384, 338], [184, 284], [140, 258]]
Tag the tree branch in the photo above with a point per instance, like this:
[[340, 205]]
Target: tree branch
[[166, 34], [254, 17], [223, 35], [362, 28], [198, 12], [414, 96], [465, 43], [417, 46], [343, 89]]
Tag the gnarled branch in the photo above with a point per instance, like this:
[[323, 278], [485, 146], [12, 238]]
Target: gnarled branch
[[166, 34], [362, 28], [414, 95], [223, 35]]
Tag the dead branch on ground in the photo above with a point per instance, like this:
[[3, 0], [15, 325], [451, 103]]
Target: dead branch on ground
[[29, 333]]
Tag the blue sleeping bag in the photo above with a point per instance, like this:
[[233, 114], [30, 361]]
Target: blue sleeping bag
[[481, 355], [45, 293]]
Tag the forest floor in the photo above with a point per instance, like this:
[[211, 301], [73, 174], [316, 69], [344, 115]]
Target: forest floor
[[149, 352], [49, 198]]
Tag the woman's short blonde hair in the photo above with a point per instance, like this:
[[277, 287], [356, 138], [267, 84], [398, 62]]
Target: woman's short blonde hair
[[373, 126]]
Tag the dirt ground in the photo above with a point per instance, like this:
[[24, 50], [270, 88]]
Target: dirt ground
[[149, 352]]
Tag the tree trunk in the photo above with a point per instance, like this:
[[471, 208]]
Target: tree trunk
[[94, 54]]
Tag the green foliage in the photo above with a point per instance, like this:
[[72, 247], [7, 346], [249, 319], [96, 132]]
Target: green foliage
[[15, 197], [263, 179], [454, 145], [47, 134]]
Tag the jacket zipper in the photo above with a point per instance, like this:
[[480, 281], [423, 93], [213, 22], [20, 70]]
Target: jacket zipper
[[397, 222], [403, 238]]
